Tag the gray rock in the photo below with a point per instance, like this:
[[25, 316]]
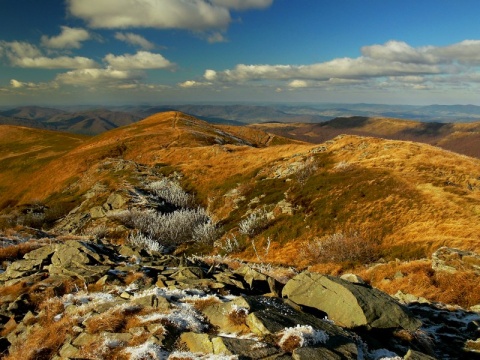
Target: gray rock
[[245, 348], [229, 317], [308, 353], [415, 355], [352, 278], [452, 260], [97, 212], [115, 201], [347, 304]]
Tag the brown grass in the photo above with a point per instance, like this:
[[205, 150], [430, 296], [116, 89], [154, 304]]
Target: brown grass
[[44, 342], [202, 303], [290, 343], [111, 321], [461, 288], [15, 252]]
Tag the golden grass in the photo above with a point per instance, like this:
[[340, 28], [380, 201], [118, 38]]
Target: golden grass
[[418, 278], [43, 342]]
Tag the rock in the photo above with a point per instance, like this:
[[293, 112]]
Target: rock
[[453, 260], [352, 278], [97, 212], [187, 273], [255, 280], [197, 343], [416, 355], [348, 304], [68, 351], [230, 316], [309, 353], [409, 298], [115, 201], [245, 348]]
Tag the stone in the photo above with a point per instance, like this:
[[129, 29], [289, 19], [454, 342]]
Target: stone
[[97, 212], [187, 273], [84, 339], [310, 353], [245, 348], [68, 351], [255, 280], [115, 201], [197, 343], [416, 355], [348, 304], [352, 278], [452, 260], [230, 316]]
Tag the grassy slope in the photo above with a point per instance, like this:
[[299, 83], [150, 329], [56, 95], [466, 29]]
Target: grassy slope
[[417, 197], [24, 151], [458, 137]]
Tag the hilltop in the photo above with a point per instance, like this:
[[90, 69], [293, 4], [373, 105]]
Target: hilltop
[[459, 137]]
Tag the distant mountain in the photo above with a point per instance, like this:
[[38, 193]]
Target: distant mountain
[[89, 122], [463, 138]]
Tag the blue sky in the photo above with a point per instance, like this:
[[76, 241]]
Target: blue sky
[[61, 52]]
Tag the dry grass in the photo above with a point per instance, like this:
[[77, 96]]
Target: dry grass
[[111, 321], [44, 342], [418, 278], [15, 252], [202, 303]]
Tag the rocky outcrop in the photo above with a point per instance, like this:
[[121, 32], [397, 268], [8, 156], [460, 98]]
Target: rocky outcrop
[[132, 303], [453, 260], [349, 304]]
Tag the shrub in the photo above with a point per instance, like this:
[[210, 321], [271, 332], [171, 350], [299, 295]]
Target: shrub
[[344, 247], [254, 223], [172, 193], [168, 229], [138, 239]]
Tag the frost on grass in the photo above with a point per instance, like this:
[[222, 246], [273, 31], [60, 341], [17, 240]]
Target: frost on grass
[[183, 355], [140, 240], [171, 192], [383, 354], [146, 351], [300, 336]]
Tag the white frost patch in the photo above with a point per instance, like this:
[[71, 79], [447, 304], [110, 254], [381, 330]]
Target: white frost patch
[[383, 354], [146, 351], [306, 335], [184, 318], [196, 356]]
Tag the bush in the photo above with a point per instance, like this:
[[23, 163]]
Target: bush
[[344, 247], [168, 229], [142, 241], [172, 193], [254, 223]]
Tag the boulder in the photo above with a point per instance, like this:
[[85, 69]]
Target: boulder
[[348, 304], [114, 202], [453, 260], [197, 343], [229, 317], [309, 353], [245, 348]]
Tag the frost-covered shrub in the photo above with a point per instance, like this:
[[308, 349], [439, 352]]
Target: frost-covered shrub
[[307, 169], [206, 232], [300, 336], [254, 223], [172, 192], [140, 240], [168, 229]]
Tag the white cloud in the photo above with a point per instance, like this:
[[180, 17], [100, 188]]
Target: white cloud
[[216, 37], [395, 60], [142, 60], [25, 55], [298, 84], [69, 38], [243, 4], [193, 84], [135, 40], [61, 62], [16, 84], [98, 77], [162, 14]]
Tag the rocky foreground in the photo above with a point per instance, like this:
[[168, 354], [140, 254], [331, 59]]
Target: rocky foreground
[[85, 300]]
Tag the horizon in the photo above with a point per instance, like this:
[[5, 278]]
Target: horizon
[[110, 53]]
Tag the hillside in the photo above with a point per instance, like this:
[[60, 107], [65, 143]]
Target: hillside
[[459, 137], [350, 201]]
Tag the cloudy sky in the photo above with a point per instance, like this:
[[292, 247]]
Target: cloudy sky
[[55, 52]]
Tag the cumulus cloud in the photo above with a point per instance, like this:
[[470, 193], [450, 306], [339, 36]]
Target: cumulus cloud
[[393, 61], [243, 4], [94, 77], [25, 55], [193, 84], [135, 40], [69, 38], [142, 60], [162, 14]]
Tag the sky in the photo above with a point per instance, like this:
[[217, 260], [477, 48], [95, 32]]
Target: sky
[[127, 52]]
